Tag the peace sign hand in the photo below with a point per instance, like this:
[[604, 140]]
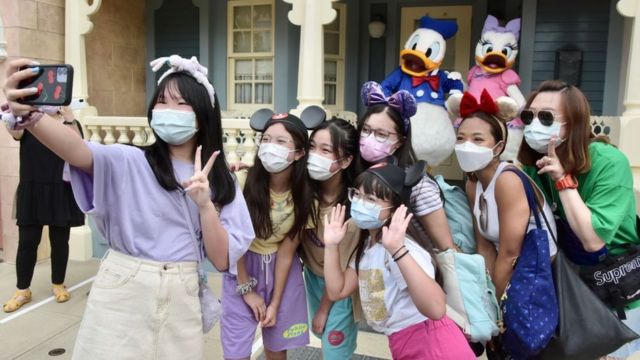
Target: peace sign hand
[[394, 234], [198, 185], [550, 164], [334, 226]]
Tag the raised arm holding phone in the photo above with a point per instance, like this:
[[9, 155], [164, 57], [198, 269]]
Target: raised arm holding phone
[[162, 208]]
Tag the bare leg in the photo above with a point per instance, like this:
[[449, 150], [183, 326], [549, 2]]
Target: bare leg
[[275, 355]]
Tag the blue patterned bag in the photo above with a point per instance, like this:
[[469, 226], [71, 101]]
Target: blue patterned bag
[[530, 307]]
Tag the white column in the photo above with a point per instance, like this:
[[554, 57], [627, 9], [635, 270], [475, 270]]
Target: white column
[[76, 25], [3, 43], [311, 15], [630, 120]]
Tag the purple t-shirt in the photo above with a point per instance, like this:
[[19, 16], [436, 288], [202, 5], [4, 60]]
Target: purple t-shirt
[[140, 218]]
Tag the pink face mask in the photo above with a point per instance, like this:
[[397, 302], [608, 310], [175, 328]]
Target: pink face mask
[[372, 150]]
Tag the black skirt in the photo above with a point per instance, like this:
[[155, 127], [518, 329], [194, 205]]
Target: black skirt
[[43, 198]]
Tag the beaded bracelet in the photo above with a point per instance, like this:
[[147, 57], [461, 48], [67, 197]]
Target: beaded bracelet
[[401, 256], [243, 289]]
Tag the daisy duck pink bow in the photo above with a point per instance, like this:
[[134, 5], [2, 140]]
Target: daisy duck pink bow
[[190, 66]]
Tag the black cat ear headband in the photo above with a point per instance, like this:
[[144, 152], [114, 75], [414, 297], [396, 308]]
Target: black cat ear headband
[[399, 180], [309, 119]]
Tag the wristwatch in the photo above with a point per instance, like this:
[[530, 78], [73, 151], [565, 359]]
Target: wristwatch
[[568, 181], [68, 122]]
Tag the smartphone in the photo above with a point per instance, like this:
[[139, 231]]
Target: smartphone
[[54, 83]]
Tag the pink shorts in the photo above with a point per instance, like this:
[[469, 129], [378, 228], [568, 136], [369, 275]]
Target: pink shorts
[[431, 339]]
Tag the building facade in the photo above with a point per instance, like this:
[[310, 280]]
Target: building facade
[[269, 53]]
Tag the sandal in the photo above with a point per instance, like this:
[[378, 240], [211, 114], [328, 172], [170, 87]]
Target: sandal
[[61, 293], [18, 299]]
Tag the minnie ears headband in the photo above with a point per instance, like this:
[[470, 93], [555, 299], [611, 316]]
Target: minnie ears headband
[[469, 104], [503, 109], [402, 101], [309, 119], [191, 66], [397, 179]]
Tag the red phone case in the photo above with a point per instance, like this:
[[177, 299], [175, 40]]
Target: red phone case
[[54, 83]]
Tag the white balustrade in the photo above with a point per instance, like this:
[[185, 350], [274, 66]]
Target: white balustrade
[[238, 139]]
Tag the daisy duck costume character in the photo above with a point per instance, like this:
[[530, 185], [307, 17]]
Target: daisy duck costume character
[[433, 136], [496, 53]]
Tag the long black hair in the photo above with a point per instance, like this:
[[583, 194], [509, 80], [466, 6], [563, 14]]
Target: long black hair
[[405, 154], [209, 135], [344, 140], [372, 185], [258, 195]]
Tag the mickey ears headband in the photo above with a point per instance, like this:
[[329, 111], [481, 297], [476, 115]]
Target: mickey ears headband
[[309, 119], [399, 180], [402, 101]]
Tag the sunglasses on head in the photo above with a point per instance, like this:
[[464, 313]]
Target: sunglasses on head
[[546, 117]]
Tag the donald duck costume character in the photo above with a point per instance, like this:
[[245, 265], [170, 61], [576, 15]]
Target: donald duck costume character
[[433, 136]]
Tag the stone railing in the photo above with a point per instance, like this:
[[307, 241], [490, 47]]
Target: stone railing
[[239, 138]]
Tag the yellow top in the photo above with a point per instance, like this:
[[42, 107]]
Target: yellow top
[[312, 253], [282, 218], [313, 248]]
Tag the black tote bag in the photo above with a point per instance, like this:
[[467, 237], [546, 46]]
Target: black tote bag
[[587, 328]]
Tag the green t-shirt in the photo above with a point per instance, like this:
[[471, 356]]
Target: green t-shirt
[[607, 190]]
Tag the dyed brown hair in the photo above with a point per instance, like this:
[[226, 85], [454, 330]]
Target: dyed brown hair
[[576, 112]]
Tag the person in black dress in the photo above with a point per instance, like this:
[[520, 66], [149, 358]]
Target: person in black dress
[[43, 198]]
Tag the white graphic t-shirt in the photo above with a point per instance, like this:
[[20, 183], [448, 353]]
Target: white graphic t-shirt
[[385, 298]]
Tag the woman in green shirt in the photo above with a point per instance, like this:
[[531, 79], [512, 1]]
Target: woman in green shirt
[[587, 180]]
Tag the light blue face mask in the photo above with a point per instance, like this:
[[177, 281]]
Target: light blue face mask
[[366, 214], [174, 127]]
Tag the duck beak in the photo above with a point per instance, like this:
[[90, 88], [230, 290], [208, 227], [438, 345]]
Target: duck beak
[[494, 62], [416, 63]]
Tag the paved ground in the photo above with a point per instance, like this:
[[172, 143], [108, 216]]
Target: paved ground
[[44, 326]]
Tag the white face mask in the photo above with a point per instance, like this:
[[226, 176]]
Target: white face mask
[[319, 167], [274, 157], [472, 157], [538, 136]]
